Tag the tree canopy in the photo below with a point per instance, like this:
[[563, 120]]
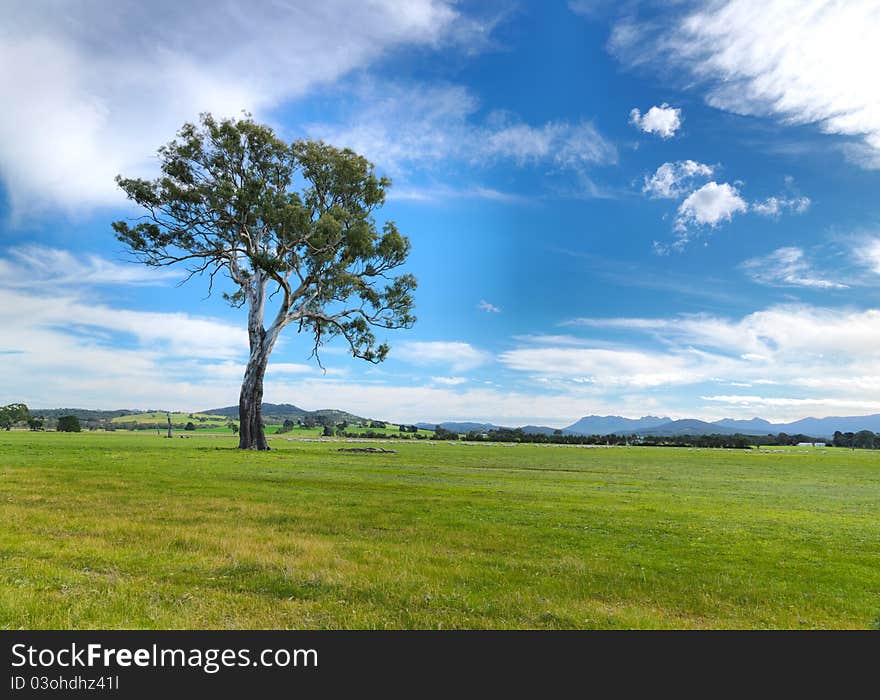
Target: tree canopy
[[12, 414], [289, 224]]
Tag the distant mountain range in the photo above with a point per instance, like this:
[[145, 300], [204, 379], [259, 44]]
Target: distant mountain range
[[818, 427], [605, 425], [663, 427]]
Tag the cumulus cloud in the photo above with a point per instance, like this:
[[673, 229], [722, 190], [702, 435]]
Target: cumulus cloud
[[799, 61], [663, 121], [489, 308], [787, 267], [709, 206], [672, 180], [98, 87], [712, 203]]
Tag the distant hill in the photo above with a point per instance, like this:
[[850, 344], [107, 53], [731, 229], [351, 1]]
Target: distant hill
[[605, 425], [287, 409], [279, 412], [538, 430]]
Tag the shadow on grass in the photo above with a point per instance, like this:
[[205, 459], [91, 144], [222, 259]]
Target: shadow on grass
[[273, 582]]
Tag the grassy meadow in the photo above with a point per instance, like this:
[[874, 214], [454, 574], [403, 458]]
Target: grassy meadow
[[130, 530]]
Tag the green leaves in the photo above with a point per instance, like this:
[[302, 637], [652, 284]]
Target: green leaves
[[226, 201], [12, 414]]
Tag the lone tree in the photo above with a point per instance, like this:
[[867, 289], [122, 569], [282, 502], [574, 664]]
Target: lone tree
[[12, 414], [291, 225], [68, 424]]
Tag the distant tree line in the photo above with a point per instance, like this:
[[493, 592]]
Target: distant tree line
[[862, 440], [18, 414], [736, 441]]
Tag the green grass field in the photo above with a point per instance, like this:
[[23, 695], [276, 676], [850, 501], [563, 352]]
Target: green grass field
[[135, 531]]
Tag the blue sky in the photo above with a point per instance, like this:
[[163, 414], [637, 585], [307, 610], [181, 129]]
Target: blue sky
[[615, 208]]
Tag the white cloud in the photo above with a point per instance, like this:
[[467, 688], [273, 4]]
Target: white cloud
[[774, 206], [449, 381], [149, 359], [800, 61], [180, 334], [672, 180], [443, 193], [821, 356], [98, 87], [709, 206], [58, 351], [34, 265], [753, 405], [868, 253], [459, 356], [287, 368], [785, 336], [787, 267], [407, 127], [606, 367], [408, 404], [824, 358], [712, 203], [663, 120], [489, 308]]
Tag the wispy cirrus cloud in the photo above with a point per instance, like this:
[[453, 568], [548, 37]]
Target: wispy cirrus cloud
[[412, 128], [458, 356], [788, 267], [800, 352], [867, 252], [36, 265], [799, 61], [774, 206]]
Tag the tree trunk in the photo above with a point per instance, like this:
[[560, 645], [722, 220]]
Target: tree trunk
[[251, 435]]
